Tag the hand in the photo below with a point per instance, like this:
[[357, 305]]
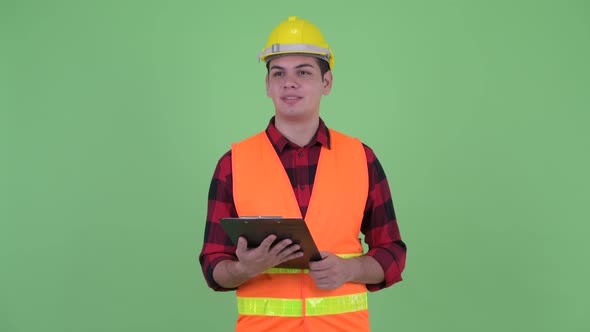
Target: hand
[[251, 262], [332, 271]]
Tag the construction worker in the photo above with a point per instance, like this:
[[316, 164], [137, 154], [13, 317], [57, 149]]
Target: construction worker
[[299, 168]]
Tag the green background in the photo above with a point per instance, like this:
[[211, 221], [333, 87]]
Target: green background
[[113, 115]]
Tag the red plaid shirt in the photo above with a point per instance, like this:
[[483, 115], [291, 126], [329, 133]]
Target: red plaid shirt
[[379, 224]]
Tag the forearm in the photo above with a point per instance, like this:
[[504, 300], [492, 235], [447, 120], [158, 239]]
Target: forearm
[[230, 274], [366, 270], [380, 227]]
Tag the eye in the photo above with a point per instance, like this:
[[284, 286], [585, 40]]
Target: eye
[[278, 74], [304, 73]]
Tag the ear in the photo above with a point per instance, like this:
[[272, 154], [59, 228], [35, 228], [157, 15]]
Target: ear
[[328, 80]]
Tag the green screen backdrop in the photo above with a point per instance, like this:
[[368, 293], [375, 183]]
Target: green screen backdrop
[[113, 115]]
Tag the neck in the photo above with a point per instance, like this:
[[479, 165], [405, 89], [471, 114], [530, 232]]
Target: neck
[[296, 131]]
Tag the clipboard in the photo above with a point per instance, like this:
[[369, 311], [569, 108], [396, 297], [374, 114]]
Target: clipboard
[[256, 229]]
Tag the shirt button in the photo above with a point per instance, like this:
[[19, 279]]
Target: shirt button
[[302, 187], [300, 154]]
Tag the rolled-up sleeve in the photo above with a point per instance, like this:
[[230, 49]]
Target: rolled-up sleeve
[[217, 246], [380, 226]]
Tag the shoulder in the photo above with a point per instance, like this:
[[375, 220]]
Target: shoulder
[[223, 170], [376, 171], [371, 157]]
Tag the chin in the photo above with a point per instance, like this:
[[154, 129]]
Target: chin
[[295, 113], [291, 112]]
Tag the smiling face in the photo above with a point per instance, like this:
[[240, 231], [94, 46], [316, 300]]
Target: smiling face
[[295, 85]]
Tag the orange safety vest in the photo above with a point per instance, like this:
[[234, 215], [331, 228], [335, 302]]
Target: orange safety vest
[[287, 299]]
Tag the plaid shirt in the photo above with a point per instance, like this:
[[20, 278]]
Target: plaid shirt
[[379, 224]]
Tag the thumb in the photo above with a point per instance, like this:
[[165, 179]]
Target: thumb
[[325, 254], [242, 244]]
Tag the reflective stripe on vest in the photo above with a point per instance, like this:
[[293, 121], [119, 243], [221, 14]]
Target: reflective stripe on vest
[[284, 270], [294, 307]]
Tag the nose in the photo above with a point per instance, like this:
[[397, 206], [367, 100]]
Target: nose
[[290, 82]]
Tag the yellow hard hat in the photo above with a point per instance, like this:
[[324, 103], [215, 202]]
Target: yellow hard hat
[[296, 36]]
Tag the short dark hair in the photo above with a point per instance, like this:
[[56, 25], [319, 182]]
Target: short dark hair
[[323, 64]]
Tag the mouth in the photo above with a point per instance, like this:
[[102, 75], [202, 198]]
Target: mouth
[[291, 100]]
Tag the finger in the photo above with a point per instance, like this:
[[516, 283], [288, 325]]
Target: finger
[[319, 275], [328, 282], [279, 247], [267, 242], [292, 256], [327, 286], [289, 250], [324, 264], [324, 283], [292, 249]]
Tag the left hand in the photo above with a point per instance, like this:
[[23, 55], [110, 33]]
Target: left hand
[[331, 272]]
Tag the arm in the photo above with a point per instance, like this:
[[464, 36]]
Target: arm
[[366, 270], [217, 247], [380, 227], [229, 275]]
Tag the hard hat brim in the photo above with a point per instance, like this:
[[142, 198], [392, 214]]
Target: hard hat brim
[[275, 49], [271, 57]]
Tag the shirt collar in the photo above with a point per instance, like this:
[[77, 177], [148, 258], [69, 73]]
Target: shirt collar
[[279, 142]]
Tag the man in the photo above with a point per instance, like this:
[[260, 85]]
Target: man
[[299, 168]]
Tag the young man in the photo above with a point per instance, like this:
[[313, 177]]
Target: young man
[[299, 168]]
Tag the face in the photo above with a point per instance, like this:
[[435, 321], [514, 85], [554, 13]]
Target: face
[[295, 85]]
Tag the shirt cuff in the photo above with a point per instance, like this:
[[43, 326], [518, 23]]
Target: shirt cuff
[[390, 267], [213, 261]]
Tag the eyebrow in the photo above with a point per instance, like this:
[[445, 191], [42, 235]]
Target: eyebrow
[[303, 65]]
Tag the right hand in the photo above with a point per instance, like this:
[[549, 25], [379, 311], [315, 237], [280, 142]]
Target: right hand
[[257, 260]]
